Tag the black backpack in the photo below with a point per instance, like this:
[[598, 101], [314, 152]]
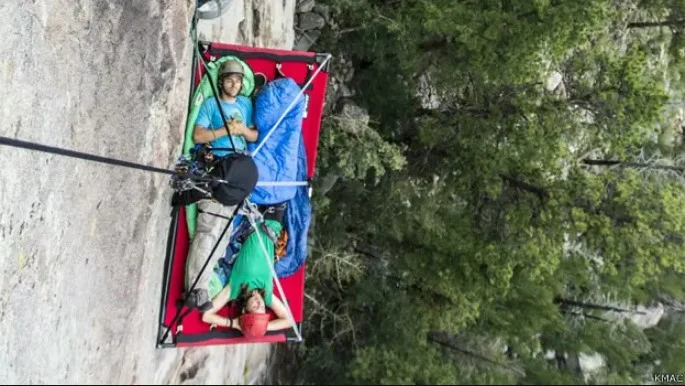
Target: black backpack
[[240, 173]]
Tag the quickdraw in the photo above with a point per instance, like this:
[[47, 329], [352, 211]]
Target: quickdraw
[[193, 173]]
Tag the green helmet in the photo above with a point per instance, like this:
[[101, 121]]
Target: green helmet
[[231, 67]]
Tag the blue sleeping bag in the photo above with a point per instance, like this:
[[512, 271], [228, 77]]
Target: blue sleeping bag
[[283, 158]]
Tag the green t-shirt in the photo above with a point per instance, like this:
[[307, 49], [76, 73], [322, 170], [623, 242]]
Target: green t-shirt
[[251, 267]]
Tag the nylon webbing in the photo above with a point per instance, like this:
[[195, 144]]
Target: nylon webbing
[[283, 183], [211, 86]]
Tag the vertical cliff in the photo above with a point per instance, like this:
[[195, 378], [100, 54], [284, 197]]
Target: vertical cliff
[[82, 244]]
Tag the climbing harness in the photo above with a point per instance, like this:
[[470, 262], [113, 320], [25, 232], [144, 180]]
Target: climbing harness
[[268, 212]]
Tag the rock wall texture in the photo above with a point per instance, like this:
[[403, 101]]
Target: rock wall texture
[[82, 244], [253, 23]]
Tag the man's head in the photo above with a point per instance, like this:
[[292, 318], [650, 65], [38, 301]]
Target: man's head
[[231, 75], [255, 303], [251, 301], [253, 317]]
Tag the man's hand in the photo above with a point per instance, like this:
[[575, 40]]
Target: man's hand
[[236, 127]]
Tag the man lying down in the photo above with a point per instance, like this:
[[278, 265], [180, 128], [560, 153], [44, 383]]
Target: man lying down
[[246, 278]]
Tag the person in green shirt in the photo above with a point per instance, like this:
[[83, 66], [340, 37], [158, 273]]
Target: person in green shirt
[[251, 284]]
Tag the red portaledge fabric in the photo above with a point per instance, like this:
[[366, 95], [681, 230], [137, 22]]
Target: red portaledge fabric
[[194, 332]]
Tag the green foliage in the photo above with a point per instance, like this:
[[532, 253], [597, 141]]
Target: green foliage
[[351, 149], [401, 366], [474, 219], [668, 342]]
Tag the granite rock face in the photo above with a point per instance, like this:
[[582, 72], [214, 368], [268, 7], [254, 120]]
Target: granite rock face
[[82, 244]]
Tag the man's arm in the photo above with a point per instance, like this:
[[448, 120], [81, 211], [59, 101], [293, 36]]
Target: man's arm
[[201, 132], [279, 309], [237, 127], [211, 316], [202, 135]]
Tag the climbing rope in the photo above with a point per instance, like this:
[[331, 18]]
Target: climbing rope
[[76, 154]]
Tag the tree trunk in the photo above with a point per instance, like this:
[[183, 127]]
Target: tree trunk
[[588, 316], [537, 190], [567, 302], [601, 162], [433, 45], [447, 340], [664, 23]]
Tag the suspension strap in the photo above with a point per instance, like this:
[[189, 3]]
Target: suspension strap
[[310, 67], [215, 214], [282, 183], [209, 79], [182, 181]]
